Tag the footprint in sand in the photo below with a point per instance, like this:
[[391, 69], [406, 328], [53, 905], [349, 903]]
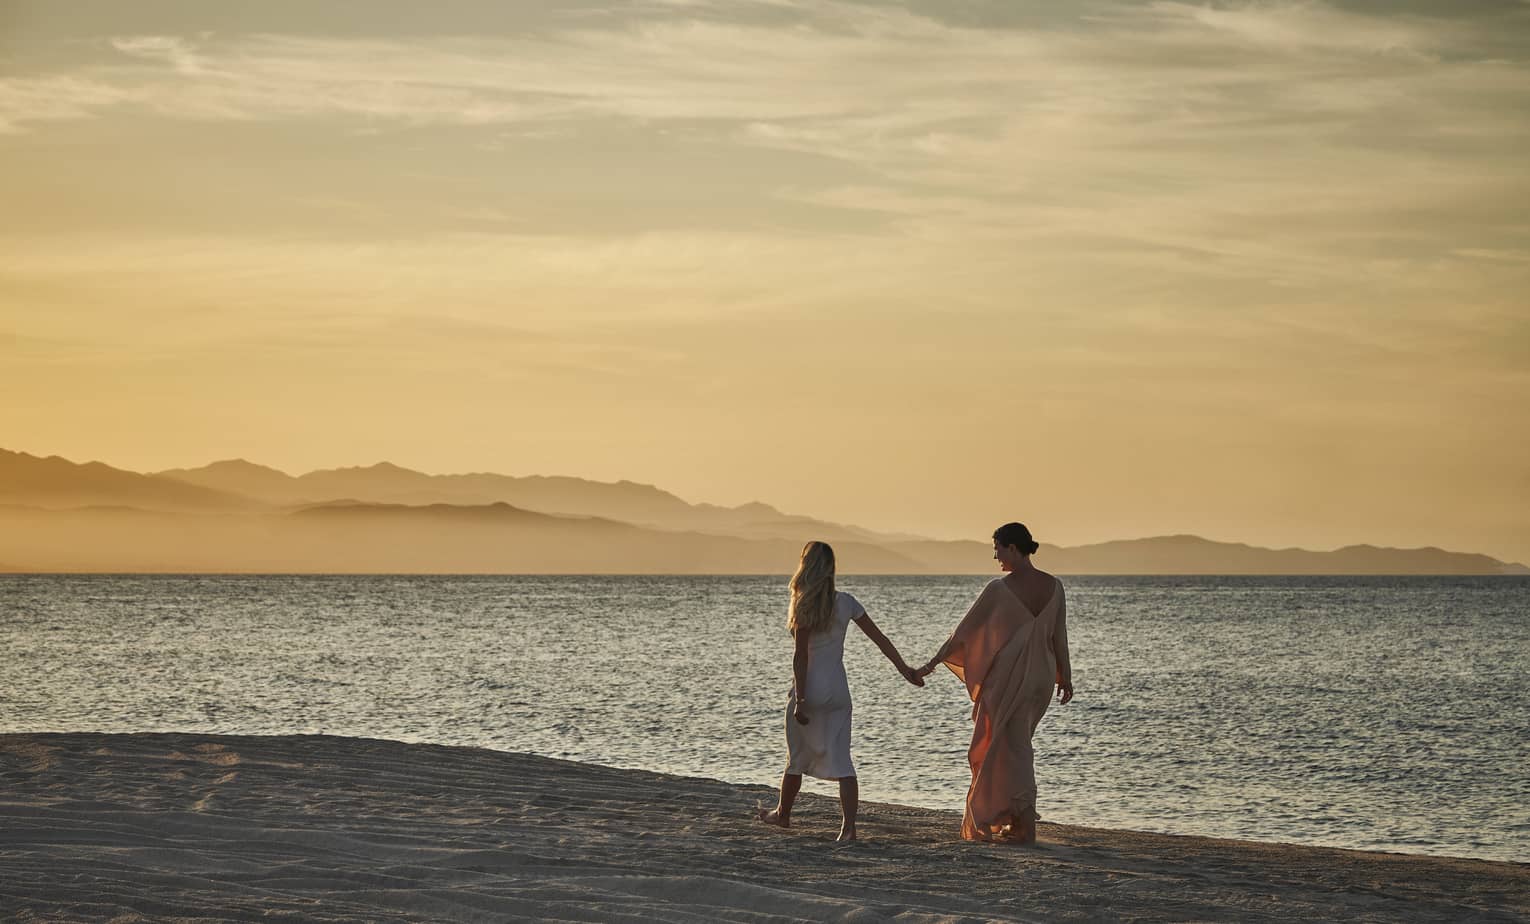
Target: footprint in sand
[[216, 754], [36, 757]]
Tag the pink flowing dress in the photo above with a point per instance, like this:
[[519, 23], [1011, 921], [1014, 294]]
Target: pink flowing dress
[[1009, 659]]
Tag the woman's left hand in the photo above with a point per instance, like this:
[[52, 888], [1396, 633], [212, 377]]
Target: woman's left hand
[[1064, 692]]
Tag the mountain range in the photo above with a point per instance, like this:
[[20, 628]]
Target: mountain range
[[237, 516]]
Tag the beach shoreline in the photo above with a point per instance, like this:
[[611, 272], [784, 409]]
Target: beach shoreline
[[309, 827]]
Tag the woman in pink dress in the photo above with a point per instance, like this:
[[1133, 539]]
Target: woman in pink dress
[[1010, 650]]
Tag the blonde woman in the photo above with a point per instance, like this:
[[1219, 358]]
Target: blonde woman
[[818, 707]]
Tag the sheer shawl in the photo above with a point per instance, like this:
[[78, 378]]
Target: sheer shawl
[[1008, 659]]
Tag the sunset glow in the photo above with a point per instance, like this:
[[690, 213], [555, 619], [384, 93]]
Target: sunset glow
[[1254, 272]]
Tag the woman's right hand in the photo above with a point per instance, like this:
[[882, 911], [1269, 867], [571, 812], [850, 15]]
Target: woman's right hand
[[800, 714]]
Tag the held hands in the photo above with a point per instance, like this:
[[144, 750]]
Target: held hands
[[916, 675]]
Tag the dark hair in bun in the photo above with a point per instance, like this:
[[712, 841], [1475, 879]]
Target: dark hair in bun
[[1017, 535]]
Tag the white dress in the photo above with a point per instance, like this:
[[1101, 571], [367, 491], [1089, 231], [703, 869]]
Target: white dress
[[821, 748]]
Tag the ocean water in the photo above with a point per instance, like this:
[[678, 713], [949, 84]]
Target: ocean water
[[1378, 713]]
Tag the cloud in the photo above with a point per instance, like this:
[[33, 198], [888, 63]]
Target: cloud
[[1509, 256], [1303, 27], [25, 101], [173, 50], [1282, 143], [882, 68]]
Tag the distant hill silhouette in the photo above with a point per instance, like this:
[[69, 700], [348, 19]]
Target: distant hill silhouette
[[1195, 555], [627, 501], [57, 482], [56, 515], [260, 482], [350, 536], [367, 538]]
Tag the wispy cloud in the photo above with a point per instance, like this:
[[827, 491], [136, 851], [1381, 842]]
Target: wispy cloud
[[175, 51], [1292, 144], [876, 67], [1309, 27], [27, 101]]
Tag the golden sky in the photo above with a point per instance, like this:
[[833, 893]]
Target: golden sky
[[1253, 271]]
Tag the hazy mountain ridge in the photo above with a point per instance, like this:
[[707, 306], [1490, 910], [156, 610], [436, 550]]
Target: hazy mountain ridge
[[627, 501], [56, 515], [1197, 555], [57, 482], [349, 536], [367, 538], [497, 512]]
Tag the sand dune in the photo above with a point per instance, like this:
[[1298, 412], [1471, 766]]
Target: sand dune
[[215, 828]]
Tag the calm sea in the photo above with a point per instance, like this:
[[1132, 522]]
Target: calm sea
[[1383, 713]]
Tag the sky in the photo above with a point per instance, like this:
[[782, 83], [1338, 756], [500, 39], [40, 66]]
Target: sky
[[1255, 271]]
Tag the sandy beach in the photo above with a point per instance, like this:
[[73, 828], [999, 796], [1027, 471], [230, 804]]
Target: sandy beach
[[313, 828]]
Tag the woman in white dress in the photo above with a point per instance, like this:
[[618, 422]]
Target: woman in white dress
[[818, 707]]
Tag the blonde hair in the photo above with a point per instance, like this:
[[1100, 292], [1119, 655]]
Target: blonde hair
[[812, 606]]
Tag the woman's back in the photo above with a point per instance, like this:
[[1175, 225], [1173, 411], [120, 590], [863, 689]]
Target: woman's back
[[827, 684], [1036, 589]]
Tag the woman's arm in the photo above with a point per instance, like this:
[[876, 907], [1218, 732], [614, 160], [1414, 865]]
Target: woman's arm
[[799, 675], [978, 607], [1060, 649], [888, 649], [930, 665]]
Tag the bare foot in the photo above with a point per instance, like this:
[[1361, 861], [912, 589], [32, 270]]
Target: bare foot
[[1024, 832], [845, 835], [772, 817]]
